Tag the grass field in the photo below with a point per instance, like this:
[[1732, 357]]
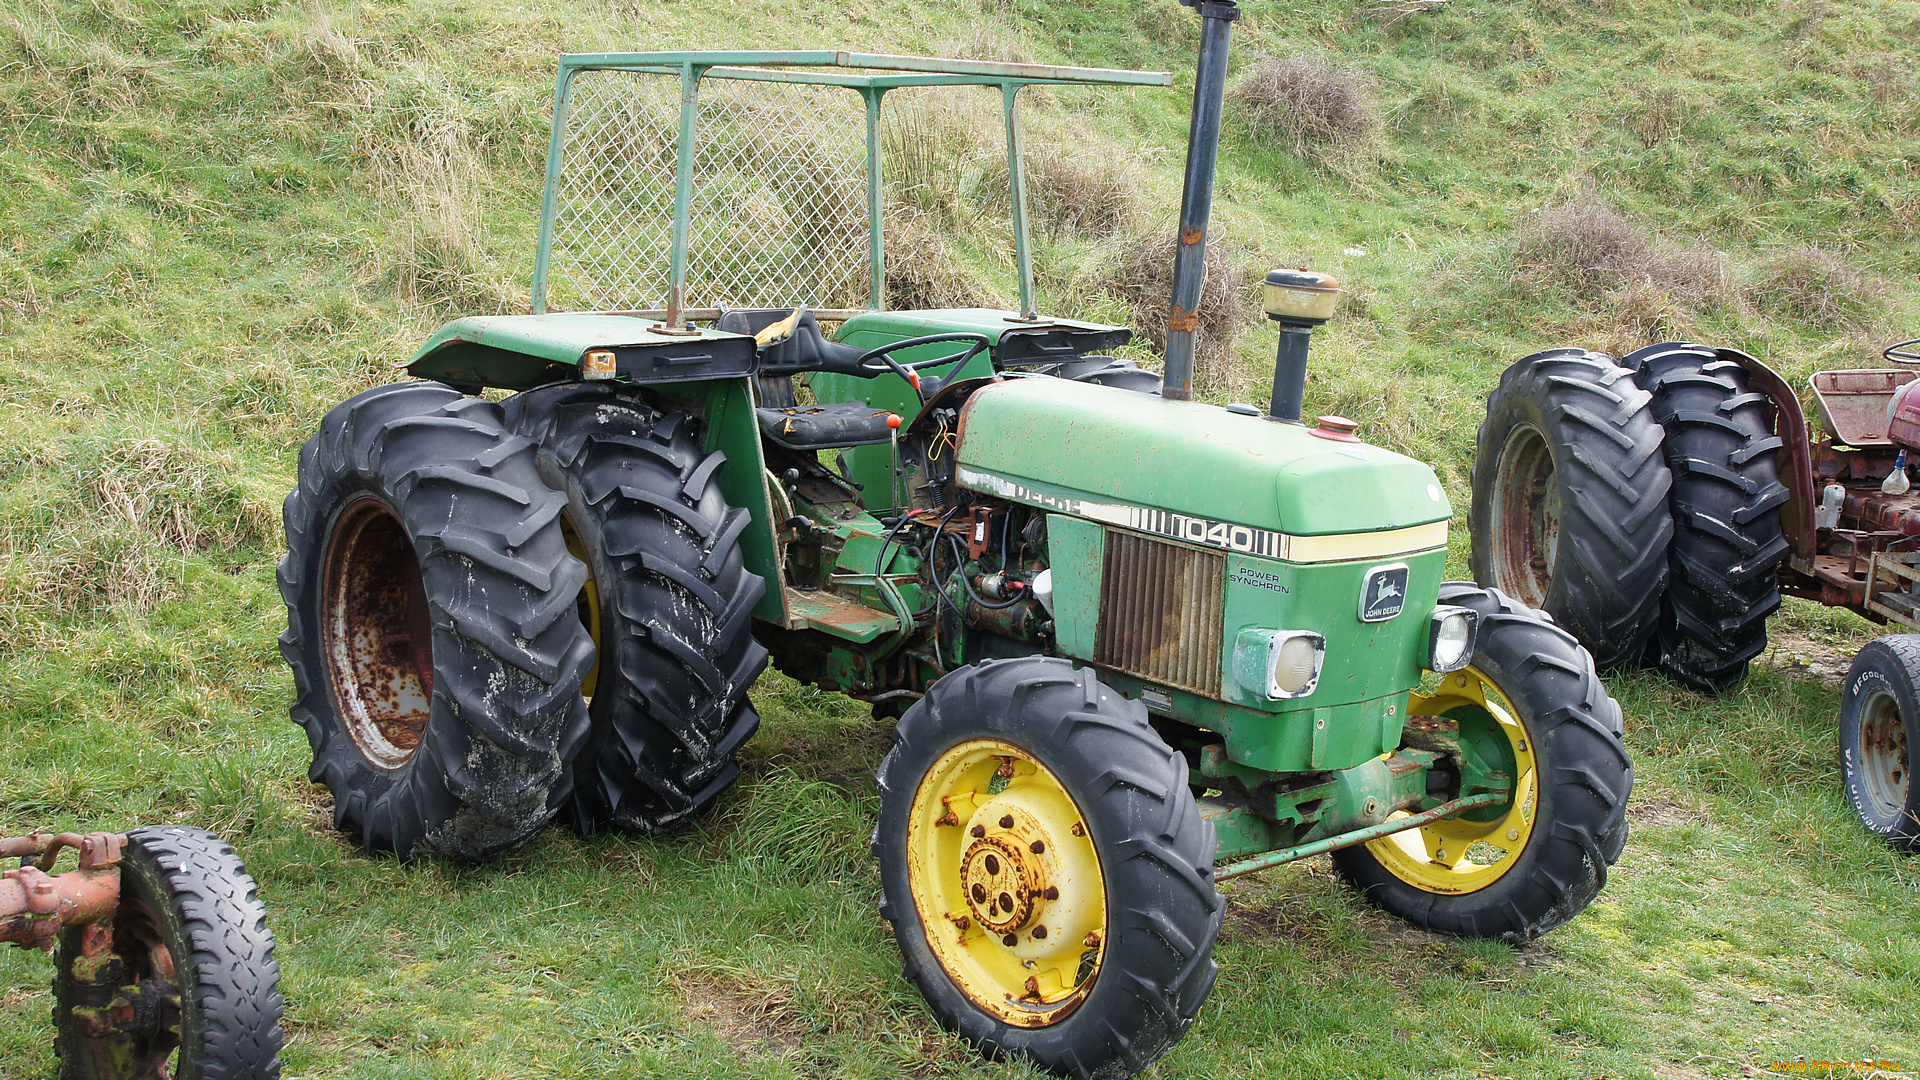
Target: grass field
[[220, 217]]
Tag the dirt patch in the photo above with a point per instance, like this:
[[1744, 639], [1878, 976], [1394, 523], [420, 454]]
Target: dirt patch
[[1277, 919], [1663, 813], [1800, 656], [754, 1021], [845, 755]]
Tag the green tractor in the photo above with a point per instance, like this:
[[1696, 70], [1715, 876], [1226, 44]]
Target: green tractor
[[1135, 644]]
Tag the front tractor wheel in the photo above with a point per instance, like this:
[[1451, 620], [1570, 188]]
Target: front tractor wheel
[[1528, 714], [1046, 871], [1880, 739], [430, 624]]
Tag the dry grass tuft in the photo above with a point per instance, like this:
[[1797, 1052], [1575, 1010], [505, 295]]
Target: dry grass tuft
[[1598, 255], [1308, 100], [1095, 191], [753, 1016], [1140, 271], [442, 260], [935, 147], [921, 272], [101, 533], [1818, 288], [1584, 246]]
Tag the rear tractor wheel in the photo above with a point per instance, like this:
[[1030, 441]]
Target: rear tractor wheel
[[1727, 542], [1530, 712], [668, 600], [1880, 739], [1569, 509], [430, 624], [1046, 871]]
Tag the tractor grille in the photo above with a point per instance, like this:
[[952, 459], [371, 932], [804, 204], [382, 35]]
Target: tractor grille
[[1160, 612]]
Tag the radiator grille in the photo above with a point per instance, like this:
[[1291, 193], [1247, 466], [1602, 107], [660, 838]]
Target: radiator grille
[[1160, 612]]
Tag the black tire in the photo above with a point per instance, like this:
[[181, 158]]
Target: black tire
[[1569, 510], [1569, 500], [1583, 778], [183, 891], [1880, 739], [1154, 850], [672, 596], [1726, 498], [430, 520]]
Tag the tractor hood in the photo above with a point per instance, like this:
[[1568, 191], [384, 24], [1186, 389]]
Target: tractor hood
[[1110, 453]]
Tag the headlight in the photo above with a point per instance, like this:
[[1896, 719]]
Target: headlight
[[1280, 663], [1450, 634]]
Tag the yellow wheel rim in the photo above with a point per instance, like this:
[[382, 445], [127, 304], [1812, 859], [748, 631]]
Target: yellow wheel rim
[[588, 606], [1462, 854], [1007, 883]]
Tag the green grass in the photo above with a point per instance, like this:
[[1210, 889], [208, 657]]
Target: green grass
[[217, 219]]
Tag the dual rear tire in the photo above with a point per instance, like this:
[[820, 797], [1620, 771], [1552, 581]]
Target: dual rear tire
[[1637, 503], [457, 572]]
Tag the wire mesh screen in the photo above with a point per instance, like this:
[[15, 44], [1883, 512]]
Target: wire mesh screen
[[779, 211]]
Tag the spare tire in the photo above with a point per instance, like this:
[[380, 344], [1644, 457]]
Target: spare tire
[[430, 624], [1569, 510], [1726, 498]]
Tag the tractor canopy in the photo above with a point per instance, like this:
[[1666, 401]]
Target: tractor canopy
[[683, 183]]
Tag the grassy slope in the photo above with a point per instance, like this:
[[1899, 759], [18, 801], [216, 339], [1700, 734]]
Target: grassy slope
[[218, 219]]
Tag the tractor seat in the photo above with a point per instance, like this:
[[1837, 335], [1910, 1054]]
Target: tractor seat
[[825, 427], [788, 348]]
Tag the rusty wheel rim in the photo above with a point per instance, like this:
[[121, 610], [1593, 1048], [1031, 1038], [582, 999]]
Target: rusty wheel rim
[[1525, 538], [138, 1034], [377, 632], [1885, 774]]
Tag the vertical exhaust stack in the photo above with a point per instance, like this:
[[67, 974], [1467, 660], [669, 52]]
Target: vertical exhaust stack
[[1196, 199]]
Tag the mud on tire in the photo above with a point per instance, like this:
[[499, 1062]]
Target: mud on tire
[[1154, 850], [186, 897], [1578, 826], [430, 624], [1569, 508], [672, 598], [1727, 542]]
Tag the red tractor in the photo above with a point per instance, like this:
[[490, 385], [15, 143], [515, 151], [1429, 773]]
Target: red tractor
[[1659, 505]]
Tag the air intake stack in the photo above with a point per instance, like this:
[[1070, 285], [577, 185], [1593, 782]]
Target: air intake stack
[[1298, 300]]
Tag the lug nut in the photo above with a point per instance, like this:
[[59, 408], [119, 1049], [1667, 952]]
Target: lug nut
[[1079, 829], [1007, 822], [1010, 940], [977, 831], [1039, 931], [1037, 848], [1053, 892]]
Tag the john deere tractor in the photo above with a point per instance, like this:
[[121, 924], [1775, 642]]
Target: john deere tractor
[[1135, 644]]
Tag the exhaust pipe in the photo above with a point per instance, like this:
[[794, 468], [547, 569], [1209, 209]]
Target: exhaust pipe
[[1196, 198]]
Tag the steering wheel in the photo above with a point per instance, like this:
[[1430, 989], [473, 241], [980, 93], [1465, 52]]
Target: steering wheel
[[884, 354], [1903, 352]]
